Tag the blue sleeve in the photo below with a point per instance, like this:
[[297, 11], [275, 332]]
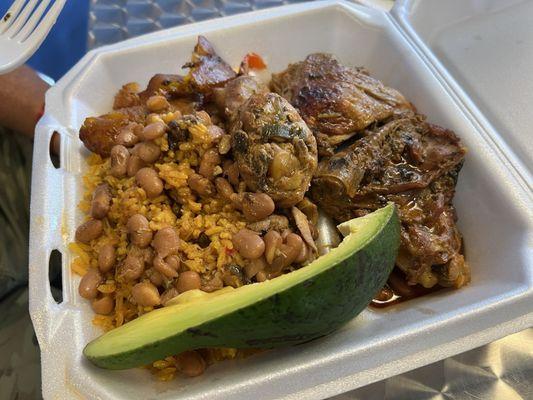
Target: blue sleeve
[[66, 42]]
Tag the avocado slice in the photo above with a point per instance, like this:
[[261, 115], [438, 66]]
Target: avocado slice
[[294, 308]]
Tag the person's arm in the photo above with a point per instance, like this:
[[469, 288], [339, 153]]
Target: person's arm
[[22, 101]]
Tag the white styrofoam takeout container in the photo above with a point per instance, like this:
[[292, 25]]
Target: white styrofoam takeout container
[[486, 46], [493, 203]]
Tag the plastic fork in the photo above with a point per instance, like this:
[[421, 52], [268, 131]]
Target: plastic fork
[[23, 28]]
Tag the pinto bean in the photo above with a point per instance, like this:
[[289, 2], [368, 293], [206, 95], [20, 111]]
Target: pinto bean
[[303, 255], [168, 295], [174, 262], [272, 242], [249, 244], [166, 242], [285, 233], [188, 280], [213, 284], [149, 180], [167, 266], [139, 230], [132, 268], [257, 206], [119, 161], [88, 288], [288, 252], [261, 276], [89, 230], [106, 257], [104, 305], [101, 201], [224, 188], [145, 294], [127, 136], [148, 152], [295, 241], [226, 191], [254, 266], [153, 131], [201, 185], [209, 161], [191, 363], [134, 165], [155, 276]]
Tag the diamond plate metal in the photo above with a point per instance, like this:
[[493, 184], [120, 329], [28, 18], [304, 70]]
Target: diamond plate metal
[[500, 370], [114, 20]]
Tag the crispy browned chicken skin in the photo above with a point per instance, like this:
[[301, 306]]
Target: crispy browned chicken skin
[[207, 69], [274, 149], [336, 101], [415, 165]]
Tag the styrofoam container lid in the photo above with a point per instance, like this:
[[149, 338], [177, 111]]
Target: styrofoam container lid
[[493, 204], [487, 47]]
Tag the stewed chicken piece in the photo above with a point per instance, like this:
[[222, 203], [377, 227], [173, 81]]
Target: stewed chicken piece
[[235, 93], [274, 149], [336, 101], [207, 69], [415, 165]]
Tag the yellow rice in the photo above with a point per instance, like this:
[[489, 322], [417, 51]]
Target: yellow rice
[[212, 217]]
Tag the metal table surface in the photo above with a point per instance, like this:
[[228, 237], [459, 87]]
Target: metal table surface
[[500, 370]]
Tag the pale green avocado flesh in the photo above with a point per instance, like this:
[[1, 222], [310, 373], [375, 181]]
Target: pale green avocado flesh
[[293, 308]]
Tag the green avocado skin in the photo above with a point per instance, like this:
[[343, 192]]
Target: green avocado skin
[[311, 309]]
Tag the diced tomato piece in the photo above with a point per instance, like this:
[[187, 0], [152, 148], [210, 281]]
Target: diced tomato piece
[[255, 61]]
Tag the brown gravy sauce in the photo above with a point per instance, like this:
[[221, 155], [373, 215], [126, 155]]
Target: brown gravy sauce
[[401, 291]]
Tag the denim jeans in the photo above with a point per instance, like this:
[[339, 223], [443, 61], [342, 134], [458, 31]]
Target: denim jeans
[[15, 171], [19, 352]]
